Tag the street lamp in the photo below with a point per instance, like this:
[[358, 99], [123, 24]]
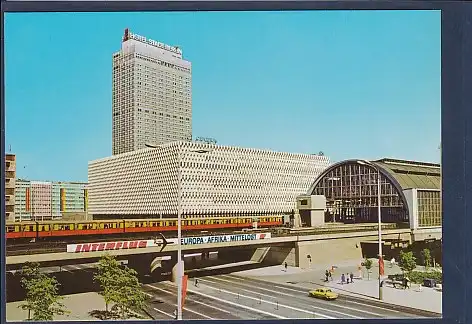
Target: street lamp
[[379, 212], [179, 222]]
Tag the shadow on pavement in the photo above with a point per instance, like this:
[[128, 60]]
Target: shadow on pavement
[[227, 269]]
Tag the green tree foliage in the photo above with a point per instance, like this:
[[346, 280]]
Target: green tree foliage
[[407, 261], [419, 276], [42, 298], [108, 275], [426, 255], [368, 265], [120, 287]]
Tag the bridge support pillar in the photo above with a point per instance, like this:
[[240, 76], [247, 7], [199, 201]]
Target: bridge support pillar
[[141, 263], [175, 273]]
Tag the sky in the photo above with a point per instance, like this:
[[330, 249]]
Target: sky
[[352, 84]]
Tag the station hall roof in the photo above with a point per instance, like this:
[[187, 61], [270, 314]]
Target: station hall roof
[[411, 174]]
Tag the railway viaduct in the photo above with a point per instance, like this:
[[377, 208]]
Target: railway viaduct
[[296, 249]]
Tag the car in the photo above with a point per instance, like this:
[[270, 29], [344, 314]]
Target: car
[[323, 293]]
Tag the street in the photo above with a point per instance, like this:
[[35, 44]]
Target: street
[[234, 297]]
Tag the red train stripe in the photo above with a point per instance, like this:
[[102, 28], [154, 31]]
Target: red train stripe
[[101, 231]]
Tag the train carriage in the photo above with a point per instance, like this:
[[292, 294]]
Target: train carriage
[[60, 228]]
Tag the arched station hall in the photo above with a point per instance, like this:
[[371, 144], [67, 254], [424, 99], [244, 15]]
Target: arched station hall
[[410, 192]]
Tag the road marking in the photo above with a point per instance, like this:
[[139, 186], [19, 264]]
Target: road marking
[[236, 305], [286, 294], [251, 291], [206, 305], [158, 310], [185, 308], [341, 306], [199, 302], [195, 312], [340, 313], [387, 309], [269, 302]]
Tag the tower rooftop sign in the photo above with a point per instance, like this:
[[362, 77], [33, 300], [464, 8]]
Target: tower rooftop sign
[[128, 35]]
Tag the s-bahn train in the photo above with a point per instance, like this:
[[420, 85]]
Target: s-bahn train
[[56, 229]]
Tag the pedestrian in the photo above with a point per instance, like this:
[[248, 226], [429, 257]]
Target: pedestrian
[[392, 262], [343, 279], [175, 315], [196, 282], [285, 265], [327, 275], [352, 277], [331, 275]]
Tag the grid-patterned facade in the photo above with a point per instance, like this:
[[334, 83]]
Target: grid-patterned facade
[[425, 207], [152, 94], [216, 180], [69, 197], [10, 177], [41, 200], [49, 200], [410, 191], [23, 200], [429, 208], [351, 190]]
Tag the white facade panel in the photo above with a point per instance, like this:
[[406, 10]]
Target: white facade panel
[[151, 96], [222, 180], [411, 196]]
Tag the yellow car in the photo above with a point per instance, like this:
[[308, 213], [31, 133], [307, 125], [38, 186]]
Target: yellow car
[[324, 293]]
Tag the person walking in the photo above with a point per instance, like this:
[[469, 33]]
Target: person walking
[[286, 266], [351, 275], [343, 279], [327, 275]]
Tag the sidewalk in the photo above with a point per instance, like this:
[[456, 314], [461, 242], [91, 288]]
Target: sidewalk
[[79, 306], [427, 299]]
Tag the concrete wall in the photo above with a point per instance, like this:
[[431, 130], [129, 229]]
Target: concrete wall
[[328, 251], [275, 255], [335, 250], [412, 201]]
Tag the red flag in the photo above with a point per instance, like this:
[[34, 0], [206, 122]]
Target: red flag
[[184, 288], [381, 266]]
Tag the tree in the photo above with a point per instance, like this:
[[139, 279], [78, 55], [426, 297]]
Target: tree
[[131, 297], [120, 287], [368, 265], [42, 298], [426, 254], [407, 261], [108, 273]]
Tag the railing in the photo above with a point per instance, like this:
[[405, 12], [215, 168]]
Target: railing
[[334, 230]]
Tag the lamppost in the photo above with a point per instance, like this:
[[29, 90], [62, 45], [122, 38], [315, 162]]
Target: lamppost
[[180, 156], [379, 218]]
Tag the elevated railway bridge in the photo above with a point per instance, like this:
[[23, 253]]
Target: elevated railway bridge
[[300, 248]]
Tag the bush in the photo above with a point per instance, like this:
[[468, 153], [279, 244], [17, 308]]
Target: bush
[[419, 276]]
